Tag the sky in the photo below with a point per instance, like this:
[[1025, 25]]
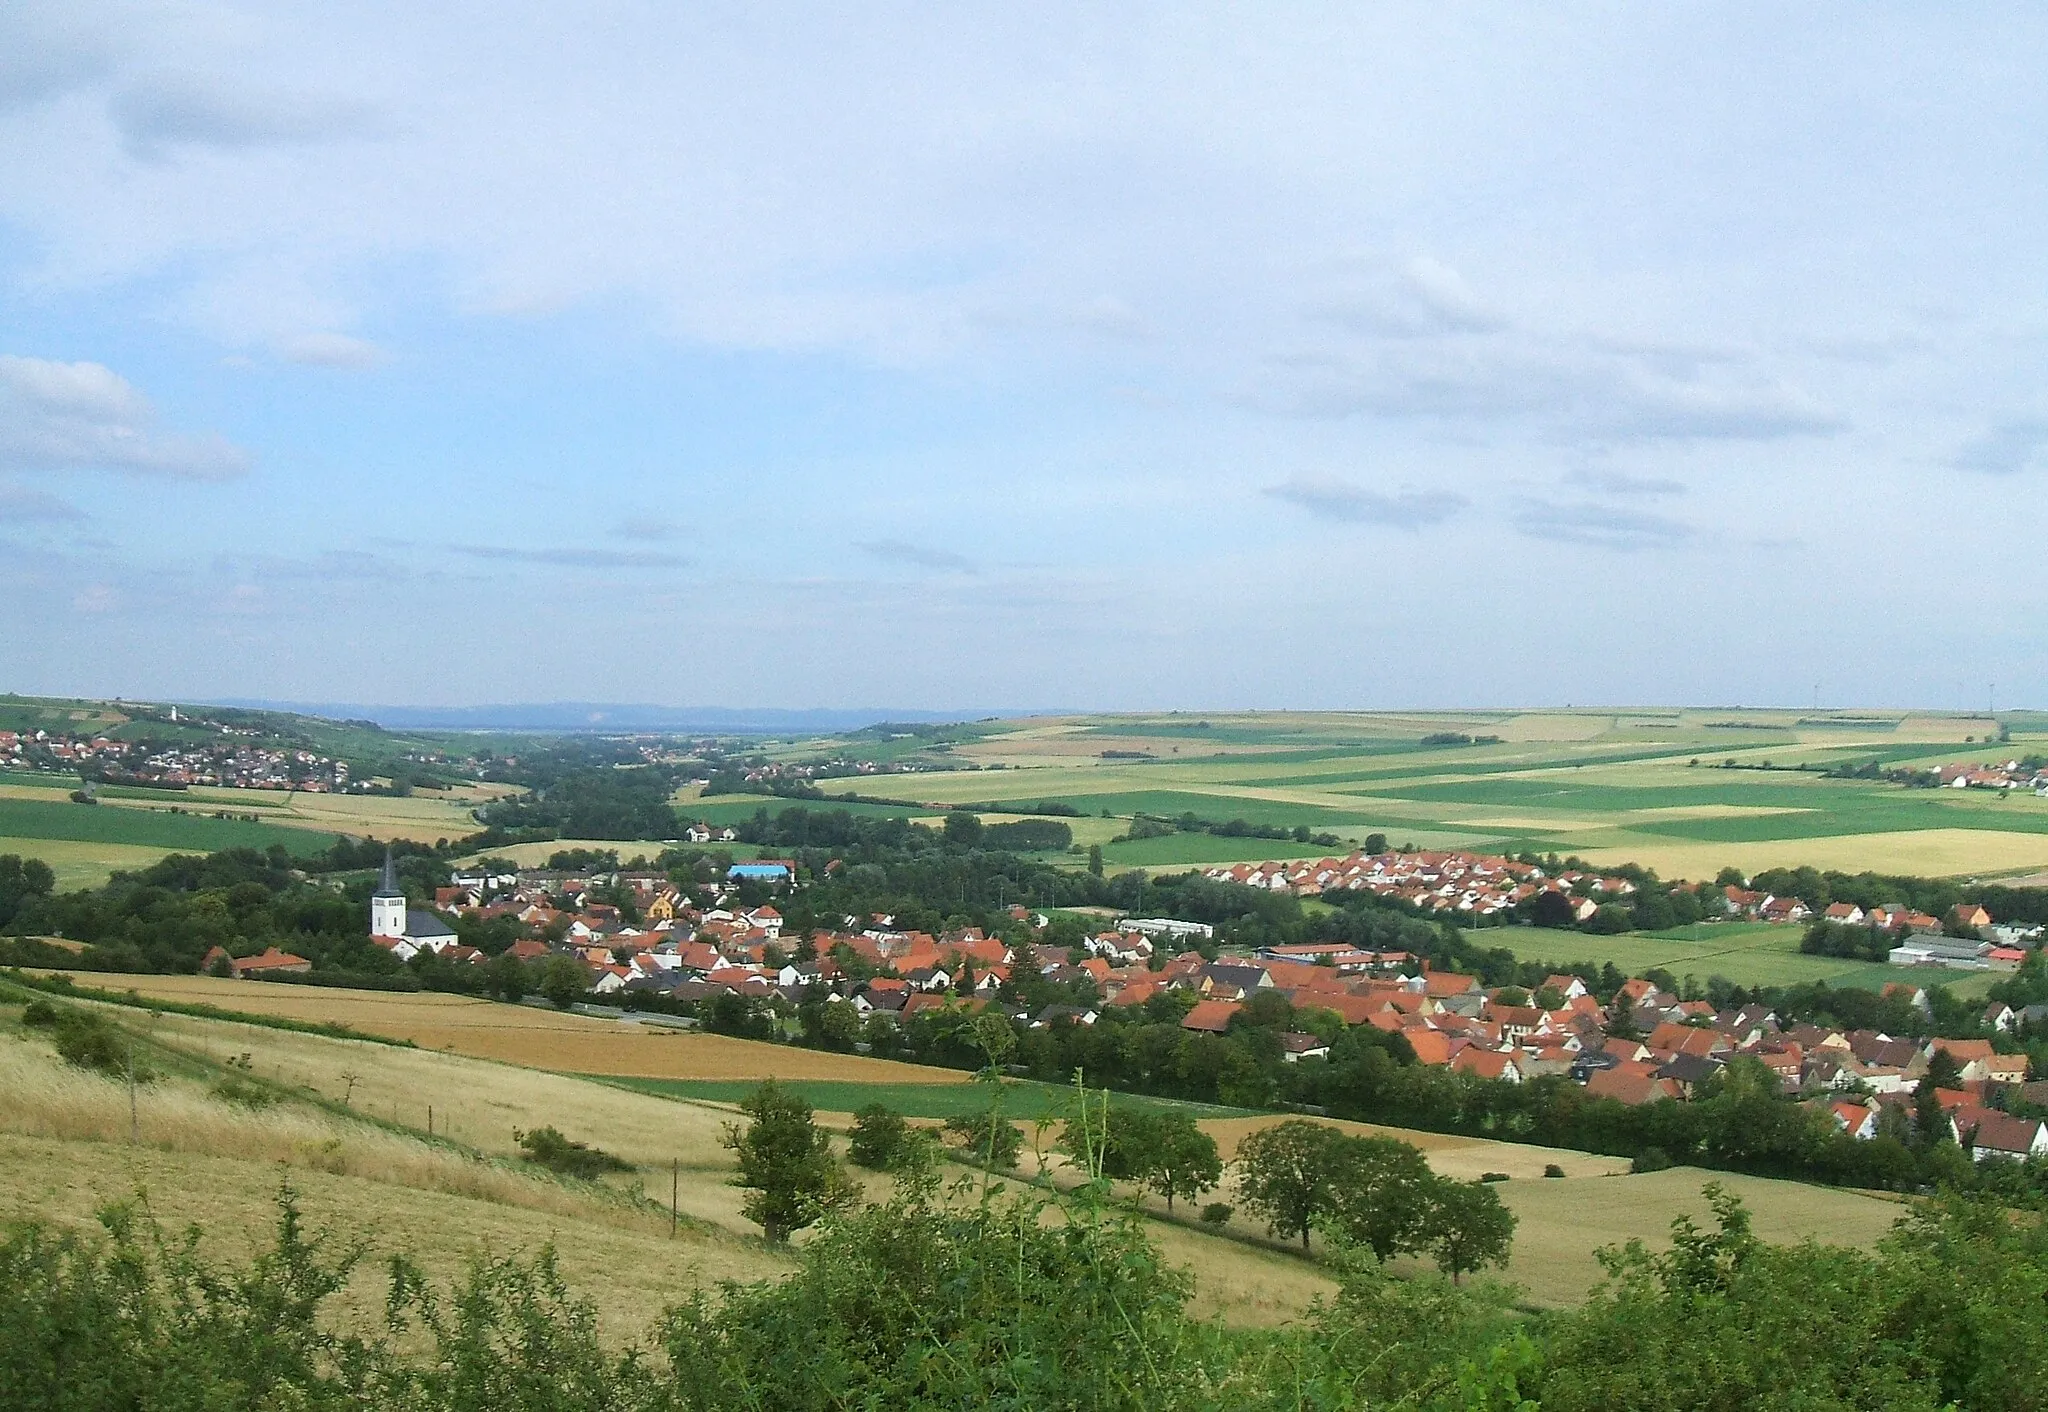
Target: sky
[[1113, 357]]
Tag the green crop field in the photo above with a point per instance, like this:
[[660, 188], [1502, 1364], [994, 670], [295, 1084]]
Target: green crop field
[[1023, 1100], [1201, 849], [1611, 787], [1748, 955], [30, 820]]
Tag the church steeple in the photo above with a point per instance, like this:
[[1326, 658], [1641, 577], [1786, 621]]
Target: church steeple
[[387, 903]]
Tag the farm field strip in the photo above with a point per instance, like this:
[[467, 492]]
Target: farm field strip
[[522, 1034], [1024, 1101]]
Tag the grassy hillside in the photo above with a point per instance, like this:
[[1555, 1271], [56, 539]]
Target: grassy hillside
[[350, 1131]]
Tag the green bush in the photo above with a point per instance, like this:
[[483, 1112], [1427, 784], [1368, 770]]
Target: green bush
[[987, 1138], [39, 1015], [1551, 1169], [88, 1041], [1650, 1159], [1493, 1176], [878, 1137], [1218, 1213], [548, 1148]]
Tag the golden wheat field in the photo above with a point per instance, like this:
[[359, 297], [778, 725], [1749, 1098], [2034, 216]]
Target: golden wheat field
[[526, 1034]]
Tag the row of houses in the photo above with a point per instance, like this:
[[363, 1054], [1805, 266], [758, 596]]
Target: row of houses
[[1466, 884]]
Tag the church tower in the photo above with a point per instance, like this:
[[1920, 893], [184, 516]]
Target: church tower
[[387, 903]]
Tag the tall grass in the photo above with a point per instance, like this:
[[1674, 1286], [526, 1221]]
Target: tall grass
[[40, 1096]]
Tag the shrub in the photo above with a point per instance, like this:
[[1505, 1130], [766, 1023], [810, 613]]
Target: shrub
[[1551, 1169], [1493, 1176], [90, 1042], [989, 1138], [39, 1015], [878, 1136], [1651, 1159], [1217, 1213], [234, 1087], [548, 1148]]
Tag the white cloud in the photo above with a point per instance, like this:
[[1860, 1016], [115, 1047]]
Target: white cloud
[[166, 113], [84, 416], [918, 556], [1354, 504], [2007, 449], [331, 350], [24, 503], [1600, 526]]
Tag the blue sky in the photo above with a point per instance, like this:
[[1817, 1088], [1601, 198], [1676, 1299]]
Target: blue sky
[[1133, 356]]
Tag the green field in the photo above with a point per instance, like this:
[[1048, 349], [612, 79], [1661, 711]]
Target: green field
[[1023, 1099], [27, 821], [1186, 849], [1747, 954], [1611, 787]]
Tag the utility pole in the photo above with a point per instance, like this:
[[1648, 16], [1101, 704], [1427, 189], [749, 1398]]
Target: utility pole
[[132, 1120], [675, 1188]]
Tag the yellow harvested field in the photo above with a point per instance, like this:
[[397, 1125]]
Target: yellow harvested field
[[81, 864], [62, 1151], [529, 1035], [1924, 852], [533, 855], [1465, 1158], [1562, 1223], [422, 817]]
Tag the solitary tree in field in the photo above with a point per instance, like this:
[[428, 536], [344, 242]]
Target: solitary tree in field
[[785, 1163], [1467, 1227], [1289, 1175]]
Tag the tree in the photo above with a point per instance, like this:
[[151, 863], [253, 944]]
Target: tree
[[1466, 1227], [563, 981], [785, 1163], [508, 977], [22, 882], [1375, 843], [963, 830], [1386, 1197], [1181, 1160], [878, 1134], [1095, 859], [1288, 1174]]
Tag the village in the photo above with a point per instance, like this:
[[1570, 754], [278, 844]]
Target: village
[[654, 945], [228, 763]]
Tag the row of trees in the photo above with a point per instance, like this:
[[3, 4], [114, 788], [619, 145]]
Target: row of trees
[[1374, 1192]]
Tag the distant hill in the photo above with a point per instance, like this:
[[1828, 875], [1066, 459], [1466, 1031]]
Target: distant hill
[[578, 716]]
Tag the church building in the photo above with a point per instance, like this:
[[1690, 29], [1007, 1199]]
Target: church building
[[405, 930]]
